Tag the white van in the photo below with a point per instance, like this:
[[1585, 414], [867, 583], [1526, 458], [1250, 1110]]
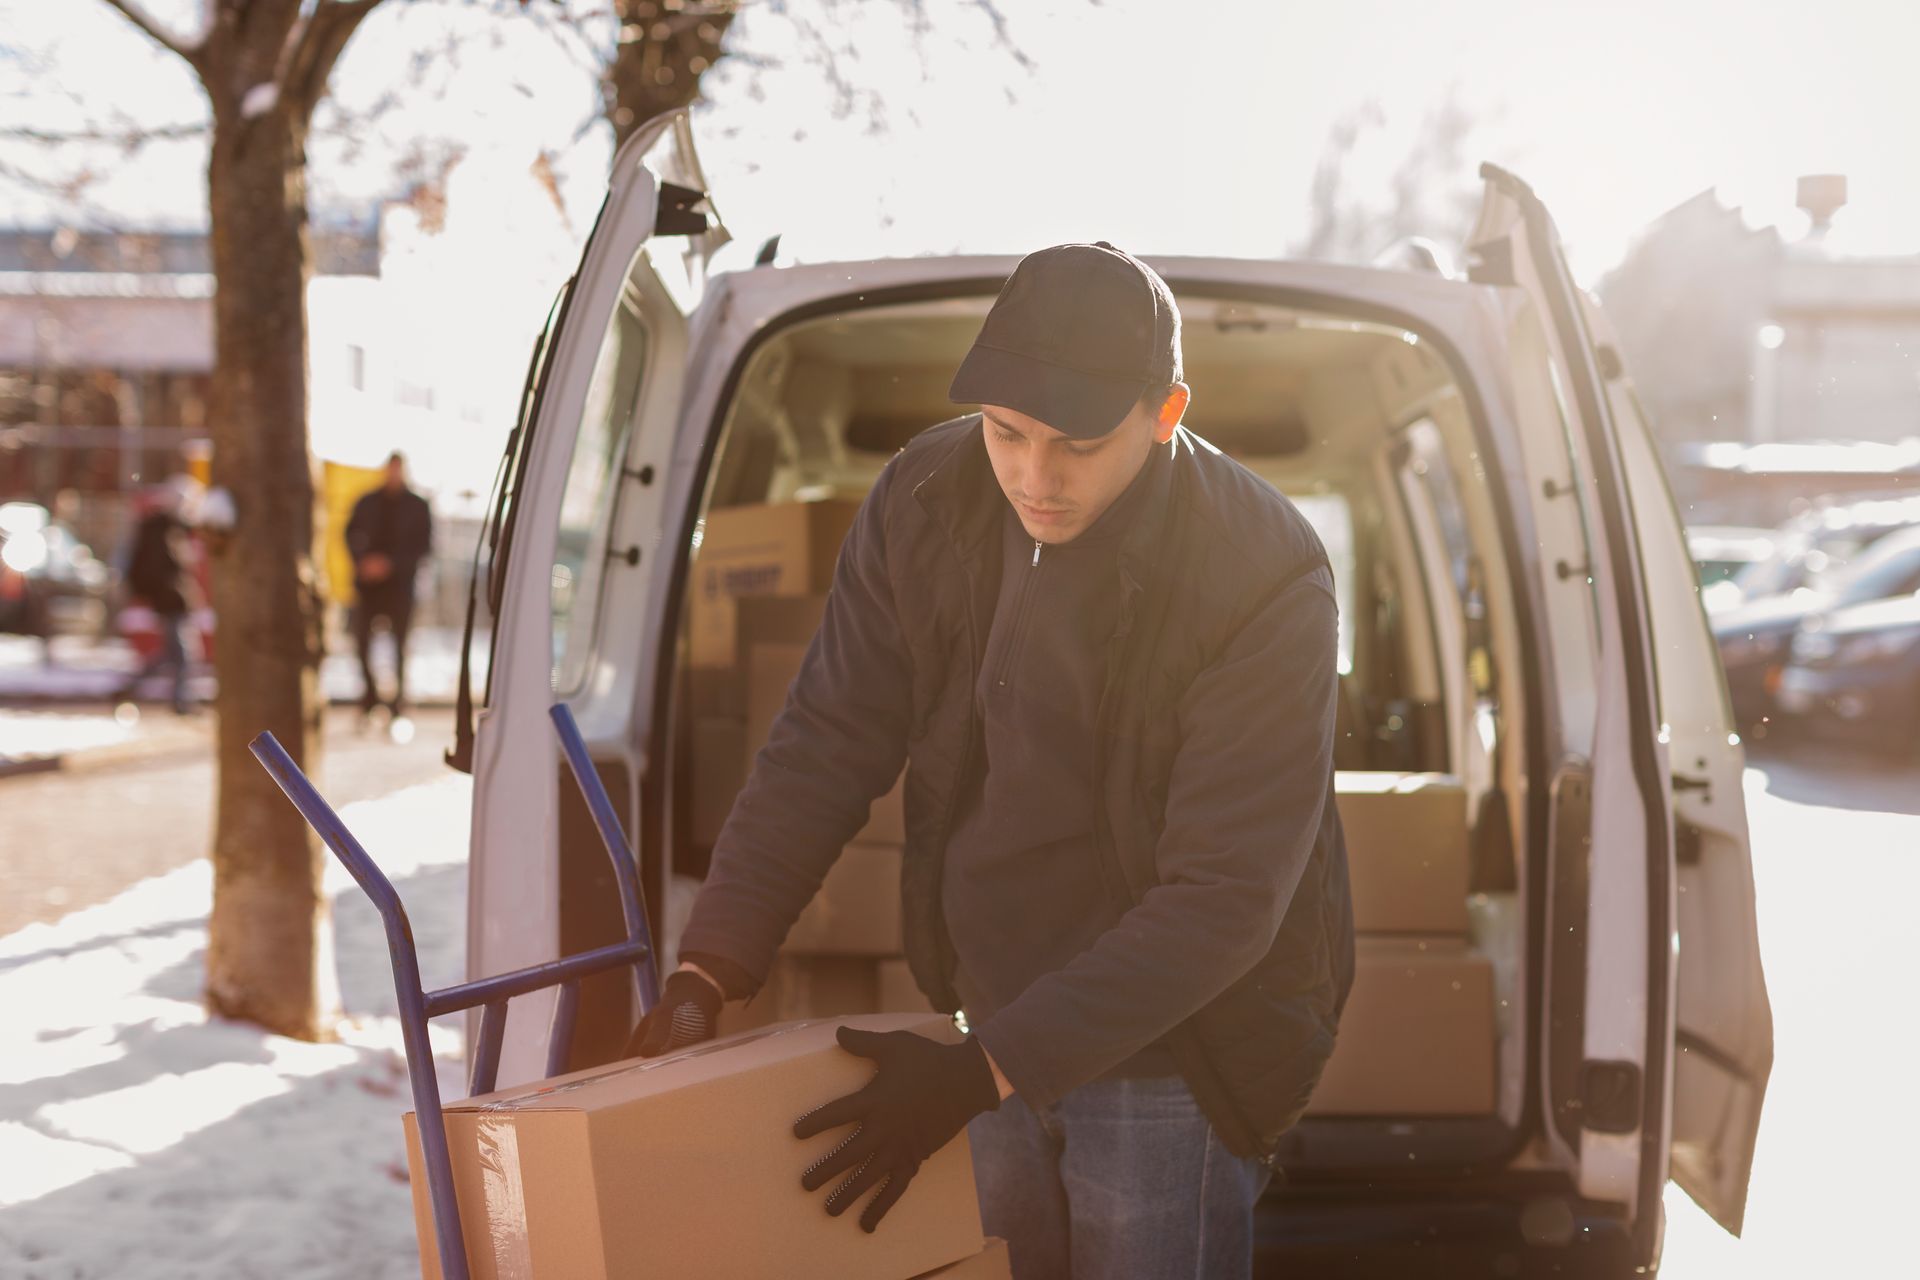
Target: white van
[[1519, 615]]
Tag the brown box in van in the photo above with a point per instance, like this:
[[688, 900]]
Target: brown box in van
[[808, 987], [770, 672], [1406, 850], [857, 910], [719, 770], [687, 1166], [899, 993], [722, 691], [780, 549], [1417, 1036]]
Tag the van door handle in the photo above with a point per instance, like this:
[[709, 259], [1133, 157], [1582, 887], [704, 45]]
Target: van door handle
[[1687, 782]]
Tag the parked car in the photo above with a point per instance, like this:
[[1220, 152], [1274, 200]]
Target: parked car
[[1721, 551], [1518, 564], [50, 582], [1755, 637], [1813, 548], [1855, 672]]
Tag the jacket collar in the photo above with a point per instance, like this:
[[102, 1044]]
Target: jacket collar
[[962, 496]]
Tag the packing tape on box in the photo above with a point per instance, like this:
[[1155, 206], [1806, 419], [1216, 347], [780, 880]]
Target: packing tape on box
[[499, 1155]]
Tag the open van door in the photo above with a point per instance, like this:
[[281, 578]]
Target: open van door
[[1723, 1022], [1598, 877], [1685, 873], [575, 527]]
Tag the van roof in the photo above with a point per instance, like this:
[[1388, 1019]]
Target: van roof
[[774, 289]]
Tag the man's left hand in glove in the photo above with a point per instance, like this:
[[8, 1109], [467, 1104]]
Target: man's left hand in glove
[[921, 1096]]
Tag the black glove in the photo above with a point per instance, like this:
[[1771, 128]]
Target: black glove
[[687, 1013], [923, 1093]]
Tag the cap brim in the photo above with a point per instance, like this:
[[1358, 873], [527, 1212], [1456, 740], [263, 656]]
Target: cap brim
[[1080, 405]]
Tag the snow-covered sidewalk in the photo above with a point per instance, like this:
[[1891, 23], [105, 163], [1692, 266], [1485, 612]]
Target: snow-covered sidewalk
[[140, 1138]]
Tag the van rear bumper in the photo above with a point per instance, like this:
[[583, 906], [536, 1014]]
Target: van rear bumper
[[1335, 1233]]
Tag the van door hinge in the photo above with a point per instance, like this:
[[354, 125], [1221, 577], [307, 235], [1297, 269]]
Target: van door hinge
[[1491, 262], [675, 214], [1610, 1096]]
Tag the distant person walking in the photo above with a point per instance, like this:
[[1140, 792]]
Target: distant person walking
[[154, 576], [388, 535]]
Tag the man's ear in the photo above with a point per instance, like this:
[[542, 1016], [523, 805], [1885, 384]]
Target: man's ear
[[1172, 409]]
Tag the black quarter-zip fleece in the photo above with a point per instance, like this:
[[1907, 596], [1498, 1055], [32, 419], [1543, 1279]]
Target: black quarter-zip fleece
[[1220, 854], [1023, 888]]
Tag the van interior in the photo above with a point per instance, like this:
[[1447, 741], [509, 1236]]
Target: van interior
[[1363, 425]]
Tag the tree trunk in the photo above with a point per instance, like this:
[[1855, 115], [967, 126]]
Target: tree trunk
[[664, 48], [270, 922]]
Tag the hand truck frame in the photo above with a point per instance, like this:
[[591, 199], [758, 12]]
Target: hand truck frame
[[490, 995]]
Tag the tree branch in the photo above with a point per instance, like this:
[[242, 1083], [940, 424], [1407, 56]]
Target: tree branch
[[319, 46], [133, 136], [138, 16]]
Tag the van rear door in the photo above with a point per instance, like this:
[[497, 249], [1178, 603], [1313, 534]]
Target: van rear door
[[1705, 1035], [573, 530], [1602, 879], [1723, 1022]]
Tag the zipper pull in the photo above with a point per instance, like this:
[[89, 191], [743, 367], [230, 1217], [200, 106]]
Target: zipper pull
[[1036, 553]]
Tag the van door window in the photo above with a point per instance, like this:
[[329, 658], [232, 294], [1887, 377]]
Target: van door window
[[1332, 519], [593, 483]]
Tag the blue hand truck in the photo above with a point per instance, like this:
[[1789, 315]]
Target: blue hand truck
[[490, 995]]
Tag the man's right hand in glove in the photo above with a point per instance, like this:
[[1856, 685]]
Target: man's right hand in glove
[[688, 1012]]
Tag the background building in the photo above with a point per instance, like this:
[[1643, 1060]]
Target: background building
[[1774, 372]]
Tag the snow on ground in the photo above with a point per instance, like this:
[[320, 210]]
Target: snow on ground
[[140, 1138], [27, 735]]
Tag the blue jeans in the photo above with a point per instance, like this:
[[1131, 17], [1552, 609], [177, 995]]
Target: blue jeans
[[1120, 1178], [172, 656]]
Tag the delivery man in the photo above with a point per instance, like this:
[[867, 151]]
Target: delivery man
[[1107, 654]]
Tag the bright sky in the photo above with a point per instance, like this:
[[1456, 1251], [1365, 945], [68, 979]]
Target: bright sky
[[1165, 127]]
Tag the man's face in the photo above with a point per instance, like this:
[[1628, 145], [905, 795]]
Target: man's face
[[1059, 485], [396, 475]]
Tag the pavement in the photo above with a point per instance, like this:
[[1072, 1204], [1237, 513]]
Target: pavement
[[60, 707], [104, 817]]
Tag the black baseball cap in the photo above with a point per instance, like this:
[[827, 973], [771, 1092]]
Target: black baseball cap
[[1079, 333]]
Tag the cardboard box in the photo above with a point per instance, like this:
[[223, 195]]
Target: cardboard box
[[771, 669], [899, 993], [1417, 1037], [857, 911], [687, 1166], [770, 672], [782, 549], [807, 987], [722, 691], [719, 771], [1406, 850], [991, 1263], [887, 819]]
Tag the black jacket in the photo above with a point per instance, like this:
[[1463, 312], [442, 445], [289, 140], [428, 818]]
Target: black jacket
[[399, 526], [153, 570], [1222, 853]]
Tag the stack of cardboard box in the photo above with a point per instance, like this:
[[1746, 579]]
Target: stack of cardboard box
[[759, 593], [1417, 1036], [687, 1166]]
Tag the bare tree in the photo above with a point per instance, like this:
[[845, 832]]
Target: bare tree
[[264, 65]]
